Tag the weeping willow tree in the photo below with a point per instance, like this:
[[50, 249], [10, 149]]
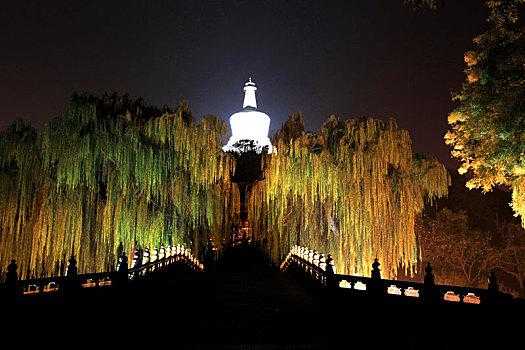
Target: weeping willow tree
[[353, 190], [112, 174], [109, 172]]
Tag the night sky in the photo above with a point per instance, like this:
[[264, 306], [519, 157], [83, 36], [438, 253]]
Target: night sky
[[353, 58]]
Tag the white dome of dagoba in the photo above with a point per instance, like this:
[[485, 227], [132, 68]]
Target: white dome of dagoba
[[249, 125]]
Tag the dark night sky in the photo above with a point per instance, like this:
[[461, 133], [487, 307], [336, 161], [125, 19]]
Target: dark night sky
[[354, 58]]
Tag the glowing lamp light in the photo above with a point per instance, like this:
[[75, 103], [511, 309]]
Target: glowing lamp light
[[249, 124]]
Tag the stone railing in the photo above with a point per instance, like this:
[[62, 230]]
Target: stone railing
[[143, 264], [319, 269], [161, 258]]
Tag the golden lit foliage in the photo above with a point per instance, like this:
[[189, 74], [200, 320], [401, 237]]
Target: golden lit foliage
[[353, 190], [487, 129], [100, 176], [93, 180]]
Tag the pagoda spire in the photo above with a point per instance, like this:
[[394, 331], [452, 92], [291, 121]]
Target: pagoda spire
[[249, 94]]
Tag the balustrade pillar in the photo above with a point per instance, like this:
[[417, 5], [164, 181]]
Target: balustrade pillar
[[315, 259], [146, 259], [376, 285], [331, 282], [322, 262], [12, 281], [121, 277], [493, 295], [430, 293], [310, 256], [71, 283]]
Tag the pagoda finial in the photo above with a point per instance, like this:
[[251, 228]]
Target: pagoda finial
[[249, 94]]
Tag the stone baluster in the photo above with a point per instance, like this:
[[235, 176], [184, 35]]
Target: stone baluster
[[430, 293], [136, 258], [122, 273], [71, 283], [493, 295], [322, 262], [376, 284], [146, 260], [315, 259], [162, 253], [12, 280], [330, 272], [72, 270]]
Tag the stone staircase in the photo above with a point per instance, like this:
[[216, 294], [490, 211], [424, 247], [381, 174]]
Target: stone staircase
[[252, 301]]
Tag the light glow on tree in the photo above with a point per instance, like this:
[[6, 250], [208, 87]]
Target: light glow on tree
[[100, 176], [353, 190]]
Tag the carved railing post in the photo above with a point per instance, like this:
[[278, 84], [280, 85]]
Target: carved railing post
[[12, 281], [121, 279], [154, 258], [322, 262], [310, 256], [71, 282], [315, 260], [376, 285], [430, 292], [145, 259], [330, 273], [137, 262], [209, 254], [493, 295]]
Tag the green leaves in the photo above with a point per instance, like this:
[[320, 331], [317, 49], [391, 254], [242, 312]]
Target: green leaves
[[487, 140], [113, 171]]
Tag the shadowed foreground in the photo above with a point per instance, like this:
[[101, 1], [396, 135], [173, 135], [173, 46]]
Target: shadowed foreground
[[242, 300]]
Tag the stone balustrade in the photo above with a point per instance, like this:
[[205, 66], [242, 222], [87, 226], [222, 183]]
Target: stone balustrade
[[318, 268], [143, 263]]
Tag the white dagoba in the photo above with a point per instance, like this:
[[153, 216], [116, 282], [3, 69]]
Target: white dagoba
[[249, 124]]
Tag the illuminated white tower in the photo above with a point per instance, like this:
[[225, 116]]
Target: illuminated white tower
[[249, 125]]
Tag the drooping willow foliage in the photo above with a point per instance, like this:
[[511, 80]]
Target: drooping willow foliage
[[111, 171], [102, 175], [353, 190]]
